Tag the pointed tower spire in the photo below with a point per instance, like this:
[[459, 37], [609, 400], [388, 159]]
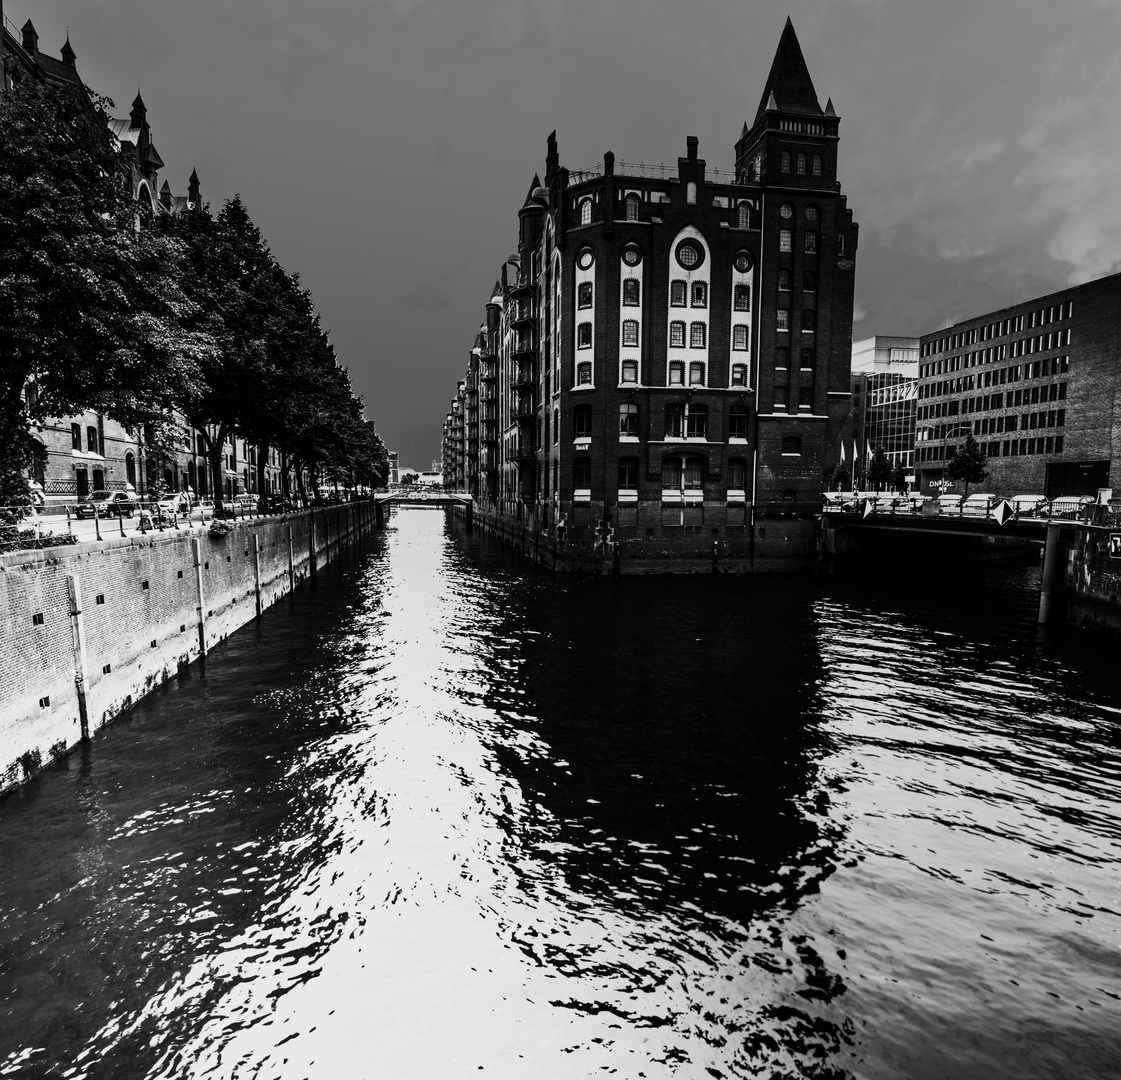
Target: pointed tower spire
[[30, 38], [829, 110], [139, 110], [193, 196], [534, 185], [789, 86], [68, 55]]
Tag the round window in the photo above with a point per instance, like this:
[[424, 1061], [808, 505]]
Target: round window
[[585, 259], [689, 254], [743, 262], [632, 256], [811, 213], [786, 211]]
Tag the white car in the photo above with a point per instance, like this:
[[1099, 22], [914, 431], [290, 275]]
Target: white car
[[177, 502]]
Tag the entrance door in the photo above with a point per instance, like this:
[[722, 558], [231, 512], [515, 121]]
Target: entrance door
[[83, 479]]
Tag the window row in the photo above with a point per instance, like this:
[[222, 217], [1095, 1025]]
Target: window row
[[741, 294], [1037, 369], [786, 241], [809, 281], [801, 162], [782, 356], [93, 443], [1041, 444], [1041, 317], [809, 320], [675, 373], [1026, 395]]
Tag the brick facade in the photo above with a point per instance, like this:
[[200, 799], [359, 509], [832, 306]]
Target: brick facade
[[666, 359], [1038, 386]]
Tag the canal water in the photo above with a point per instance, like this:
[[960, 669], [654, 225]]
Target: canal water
[[446, 815]]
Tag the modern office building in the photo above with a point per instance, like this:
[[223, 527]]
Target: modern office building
[[1037, 384], [663, 370], [885, 371]]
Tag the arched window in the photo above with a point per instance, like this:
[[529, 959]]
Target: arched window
[[630, 292], [76, 434], [130, 468], [632, 208], [737, 422], [582, 473], [677, 334], [739, 337], [694, 473], [800, 166], [699, 295], [741, 297], [586, 212], [745, 216], [697, 335], [696, 422], [91, 440], [628, 474], [785, 161], [737, 474], [671, 474], [791, 444], [556, 426], [816, 165], [628, 420], [630, 331], [739, 375], [584, 374], [691, 193], [675, 421], [582, 422]]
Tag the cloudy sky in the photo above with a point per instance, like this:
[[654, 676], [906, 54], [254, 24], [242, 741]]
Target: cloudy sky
[[384, 146]]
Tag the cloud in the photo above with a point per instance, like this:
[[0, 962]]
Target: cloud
[[858, 313]]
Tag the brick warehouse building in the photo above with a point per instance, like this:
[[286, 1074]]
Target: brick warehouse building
[[663, 372], [1038, 385]]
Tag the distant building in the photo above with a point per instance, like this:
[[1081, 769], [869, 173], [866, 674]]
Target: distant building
[[1037, 384], [663, 371], [885, 371]]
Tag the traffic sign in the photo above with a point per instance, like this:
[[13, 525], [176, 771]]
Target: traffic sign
[[1003, 512]]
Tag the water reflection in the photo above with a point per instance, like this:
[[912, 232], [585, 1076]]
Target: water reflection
[[447, 814]]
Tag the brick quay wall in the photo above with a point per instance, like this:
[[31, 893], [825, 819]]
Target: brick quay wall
[[704, 543], [88, 630]]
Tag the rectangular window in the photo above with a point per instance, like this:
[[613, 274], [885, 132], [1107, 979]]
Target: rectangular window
[[811, 243], [677, 334], [630, 292], [675, 422], [699, 294], [628, 474], [782, 356], [805, 397], [697, 335], [741, 298], [584, 294], [584, 374], [584, 335], [739, 375], [809, 321], [76, 436], [784, 281], [677, 293], [630, 331], [739, 337], [782, 319], [785, 240], [630, 371], [677, 373], [780, 397], [809, 282], [697, 423], [696, 374]]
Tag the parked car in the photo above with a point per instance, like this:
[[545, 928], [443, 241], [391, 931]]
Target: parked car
[[246, 501], [1028, 505], [106, 504], [177, 502]]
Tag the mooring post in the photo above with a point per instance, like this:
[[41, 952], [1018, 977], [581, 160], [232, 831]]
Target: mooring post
[[74, 591], [1051, 570], [196, 554], [257, 571]]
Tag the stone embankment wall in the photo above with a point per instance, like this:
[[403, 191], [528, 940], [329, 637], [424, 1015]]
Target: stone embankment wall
[[85, 631], [1093, 578], [781, 544]]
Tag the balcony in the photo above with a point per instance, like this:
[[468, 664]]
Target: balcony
[[525, 377], [524, 319], [523, 453], [525, 348], [524, 286]]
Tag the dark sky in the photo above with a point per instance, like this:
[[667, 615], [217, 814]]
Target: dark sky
[[384, 146]]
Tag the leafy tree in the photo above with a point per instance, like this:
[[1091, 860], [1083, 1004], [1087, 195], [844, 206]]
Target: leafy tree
[[899, 480], [968, 464], [879, 470], [90, 313], [838, 477]]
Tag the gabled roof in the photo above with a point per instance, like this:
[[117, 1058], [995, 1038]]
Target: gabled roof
[[789, 86], [57, 69], [152, 157]]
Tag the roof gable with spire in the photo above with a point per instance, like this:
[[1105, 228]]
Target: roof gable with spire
[[789, 86]]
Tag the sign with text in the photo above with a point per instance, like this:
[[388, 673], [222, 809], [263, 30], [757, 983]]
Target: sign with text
[[1115, 545]]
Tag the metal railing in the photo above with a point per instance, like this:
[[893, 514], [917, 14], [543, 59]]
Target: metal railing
[[1062, 508], [650, 171]]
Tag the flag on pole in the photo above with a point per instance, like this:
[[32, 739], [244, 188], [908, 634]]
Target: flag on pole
[[842, 451]]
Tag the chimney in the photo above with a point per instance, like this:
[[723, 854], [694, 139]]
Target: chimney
[[691, 148]]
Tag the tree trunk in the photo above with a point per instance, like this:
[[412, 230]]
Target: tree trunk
[[262, 459]]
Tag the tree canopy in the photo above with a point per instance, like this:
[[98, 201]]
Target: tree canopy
[[968, 464]]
